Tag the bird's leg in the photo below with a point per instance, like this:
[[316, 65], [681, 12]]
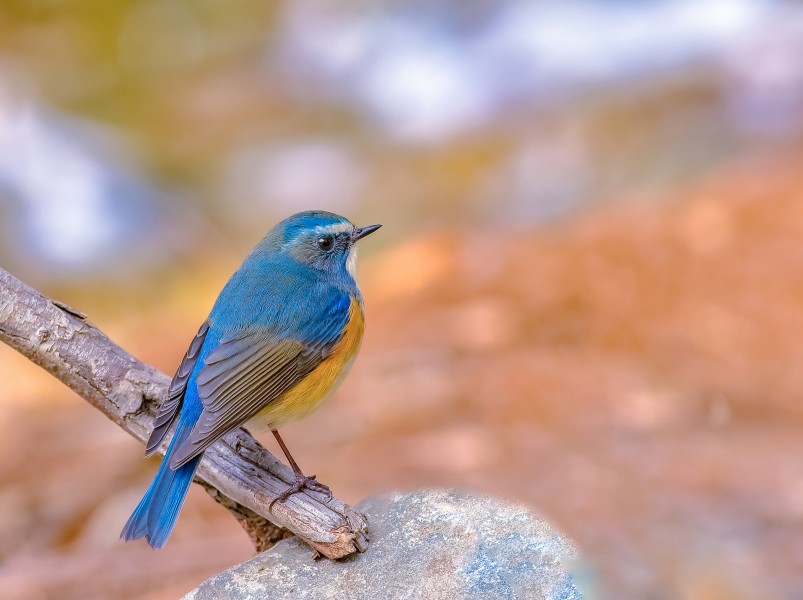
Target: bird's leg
[[302, 481]]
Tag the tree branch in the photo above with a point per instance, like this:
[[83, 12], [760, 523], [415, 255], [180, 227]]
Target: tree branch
[[237, 472]]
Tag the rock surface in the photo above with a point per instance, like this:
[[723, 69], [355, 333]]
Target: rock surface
[[426, 544]]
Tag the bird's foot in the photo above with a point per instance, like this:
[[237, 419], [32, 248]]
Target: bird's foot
[[302, 481]]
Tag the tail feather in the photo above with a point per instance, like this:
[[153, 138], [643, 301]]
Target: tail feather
[[157, 512]]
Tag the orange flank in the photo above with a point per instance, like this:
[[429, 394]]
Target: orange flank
[[308, 394]]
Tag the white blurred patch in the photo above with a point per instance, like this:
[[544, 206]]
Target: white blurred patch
[[578, 40], [58, 185], [425, 91], [65, 204], [765, 79], [284, 178], [424, 77]]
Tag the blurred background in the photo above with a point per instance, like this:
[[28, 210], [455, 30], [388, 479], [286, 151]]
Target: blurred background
[[586, 296]]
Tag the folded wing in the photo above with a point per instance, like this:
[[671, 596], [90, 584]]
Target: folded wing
[[175, 393], [253, 367]]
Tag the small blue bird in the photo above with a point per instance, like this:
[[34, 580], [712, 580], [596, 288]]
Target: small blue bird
[[279, 339]]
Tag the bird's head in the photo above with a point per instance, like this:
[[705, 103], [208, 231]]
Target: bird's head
[[321, 239]]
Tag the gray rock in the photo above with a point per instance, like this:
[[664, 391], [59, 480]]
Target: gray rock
[[425, 545]]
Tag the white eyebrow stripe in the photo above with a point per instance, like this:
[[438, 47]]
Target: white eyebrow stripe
[[335, 228]]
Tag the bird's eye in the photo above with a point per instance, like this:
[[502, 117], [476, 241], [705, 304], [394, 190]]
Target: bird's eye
[[326, 242]]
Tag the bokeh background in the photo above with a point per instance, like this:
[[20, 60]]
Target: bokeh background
[[586, 297]]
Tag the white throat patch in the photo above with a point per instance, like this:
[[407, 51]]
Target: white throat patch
[[351, 262]]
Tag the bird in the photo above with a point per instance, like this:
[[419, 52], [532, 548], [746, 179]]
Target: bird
[[280, 337]]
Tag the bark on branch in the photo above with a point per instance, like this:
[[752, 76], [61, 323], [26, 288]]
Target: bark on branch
[[237, 472]]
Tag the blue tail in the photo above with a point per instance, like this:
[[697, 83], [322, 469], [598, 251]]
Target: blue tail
[[156, 514]]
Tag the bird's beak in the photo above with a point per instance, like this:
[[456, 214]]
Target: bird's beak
[[361, 232]]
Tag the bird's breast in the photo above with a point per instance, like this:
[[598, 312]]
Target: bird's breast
[[309, 393]]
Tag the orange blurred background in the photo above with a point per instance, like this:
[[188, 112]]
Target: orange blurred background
[[586, 295]]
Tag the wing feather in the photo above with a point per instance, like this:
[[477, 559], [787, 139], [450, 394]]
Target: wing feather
[[250, 369], [169, 409]]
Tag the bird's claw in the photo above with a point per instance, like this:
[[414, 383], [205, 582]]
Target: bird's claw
[[301, 482]]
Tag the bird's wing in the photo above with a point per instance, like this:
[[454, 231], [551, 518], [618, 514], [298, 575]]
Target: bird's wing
[[251, 368], [175, 393]]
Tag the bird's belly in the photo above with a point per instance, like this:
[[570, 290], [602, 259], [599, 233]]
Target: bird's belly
[[309, 393]]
